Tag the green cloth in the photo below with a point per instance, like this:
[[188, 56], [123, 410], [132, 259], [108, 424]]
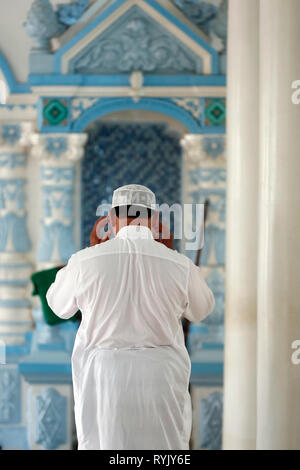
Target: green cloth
[[41, 281]]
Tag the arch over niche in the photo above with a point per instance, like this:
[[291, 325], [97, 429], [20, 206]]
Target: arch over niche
[[165, 107], [7, 75], [144, 116], [121, 152]]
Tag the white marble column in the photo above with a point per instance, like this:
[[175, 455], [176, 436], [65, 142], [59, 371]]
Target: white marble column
[[278, 402], [58, 155], [15, 268], [239, 428]]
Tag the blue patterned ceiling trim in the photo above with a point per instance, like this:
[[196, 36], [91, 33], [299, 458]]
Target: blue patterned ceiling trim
[[112, 8], [12, 84]]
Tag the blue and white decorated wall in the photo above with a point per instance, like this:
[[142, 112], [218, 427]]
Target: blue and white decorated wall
[[116, 91]]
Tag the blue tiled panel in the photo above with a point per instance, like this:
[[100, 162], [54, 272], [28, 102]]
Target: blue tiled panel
[[125, 153], [10, 393]]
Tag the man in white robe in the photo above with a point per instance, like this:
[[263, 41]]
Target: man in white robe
[[130, 366]]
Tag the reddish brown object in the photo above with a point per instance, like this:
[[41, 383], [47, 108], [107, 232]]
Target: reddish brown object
[[100, 223], [169, 240]]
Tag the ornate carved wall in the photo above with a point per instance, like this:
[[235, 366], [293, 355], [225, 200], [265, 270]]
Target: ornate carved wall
[[88, 61], [120, 153]]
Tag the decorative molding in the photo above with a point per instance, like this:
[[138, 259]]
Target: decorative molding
[[207, 175], [56, 232], [13, 217], [168, 23], [10, 395], [214, 112], [46, 337], [69, 13], [109, 105], [53, 175], [218, 31], [15, 137], [210, 421], [136, 80], [192, 105], [56, 149], [79, 105], [217, 200], [56, 145], [214, 146], [205, 179], [55, 112], [201, 13], [165, 87], [50, 419], [136, 42], [11, 133], [58, 154], [42, 24], [191, 144], [212, 21], [14, 237], [12, 161]]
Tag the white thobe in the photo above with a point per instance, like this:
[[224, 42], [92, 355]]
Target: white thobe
[[130, 366]]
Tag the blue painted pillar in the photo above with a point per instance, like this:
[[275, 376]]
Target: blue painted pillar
[[47, 369], [15, 269], [58, 155], [205, 179]]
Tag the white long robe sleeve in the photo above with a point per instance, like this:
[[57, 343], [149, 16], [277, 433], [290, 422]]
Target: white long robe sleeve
[[130, 366], [61, 295], [201, 301]]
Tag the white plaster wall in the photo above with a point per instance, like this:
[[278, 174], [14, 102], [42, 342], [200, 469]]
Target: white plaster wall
[[15, 44]]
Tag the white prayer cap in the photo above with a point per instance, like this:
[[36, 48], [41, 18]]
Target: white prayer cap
[[134, 194]]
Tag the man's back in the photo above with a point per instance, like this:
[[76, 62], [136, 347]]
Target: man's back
[[132, 291], [130, 367]]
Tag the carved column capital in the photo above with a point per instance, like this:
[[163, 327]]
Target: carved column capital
[[192, 147], [58, 149], [15, 136]]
